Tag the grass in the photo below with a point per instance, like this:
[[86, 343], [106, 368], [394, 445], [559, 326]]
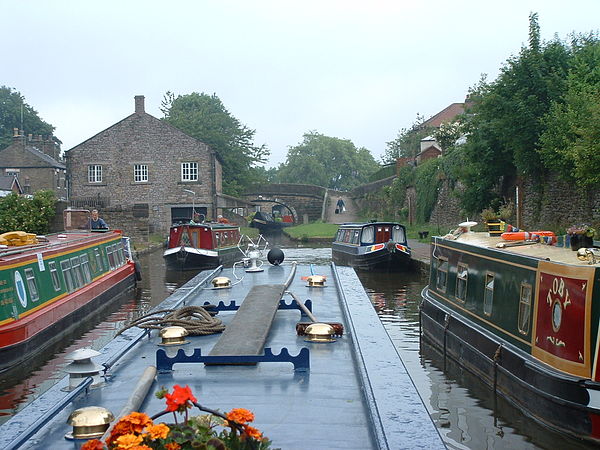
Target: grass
[[316, 230]]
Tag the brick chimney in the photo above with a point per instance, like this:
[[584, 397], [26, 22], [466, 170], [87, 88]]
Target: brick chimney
[[139, 104]]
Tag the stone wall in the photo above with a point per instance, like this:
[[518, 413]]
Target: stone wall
[[447, 211]]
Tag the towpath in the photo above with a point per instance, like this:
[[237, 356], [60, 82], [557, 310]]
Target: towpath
[[350, 214]]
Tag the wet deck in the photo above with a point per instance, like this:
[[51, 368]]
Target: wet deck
[[357, 393]]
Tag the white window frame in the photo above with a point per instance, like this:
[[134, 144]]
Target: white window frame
[[189, 171], [95, 173], [140, 173]]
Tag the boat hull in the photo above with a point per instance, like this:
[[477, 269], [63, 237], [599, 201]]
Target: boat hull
[[188, 258], [560, 401], [23, 339], [377, 260]]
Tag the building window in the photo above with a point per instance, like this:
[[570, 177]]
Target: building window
[[140, 173], [189, 171], [462, 274], [54, 275], [488, 298], [442, 274], [95, 173], [31, 284], [524, 308]]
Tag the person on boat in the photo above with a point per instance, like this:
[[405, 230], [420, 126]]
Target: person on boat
[[341, 206], [96, 222], [222, 219], [196, 219]]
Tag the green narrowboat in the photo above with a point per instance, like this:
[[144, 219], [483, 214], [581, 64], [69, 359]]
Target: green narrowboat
[[50, 283], [525, 318]]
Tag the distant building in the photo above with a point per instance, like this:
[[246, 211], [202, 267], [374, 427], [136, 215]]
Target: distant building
[[147, 166], [34, 161], [429, 149]]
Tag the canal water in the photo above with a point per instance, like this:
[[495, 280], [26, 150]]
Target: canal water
[[464, 410]]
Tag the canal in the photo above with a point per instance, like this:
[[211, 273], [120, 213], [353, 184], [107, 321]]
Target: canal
[[464, 410]]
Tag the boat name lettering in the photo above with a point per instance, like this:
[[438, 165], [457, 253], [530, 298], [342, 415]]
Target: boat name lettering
[[6, 301], [3, 282], [556, 342], [5, 290]]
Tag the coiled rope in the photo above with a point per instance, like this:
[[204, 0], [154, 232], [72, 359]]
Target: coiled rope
[[195, 319]]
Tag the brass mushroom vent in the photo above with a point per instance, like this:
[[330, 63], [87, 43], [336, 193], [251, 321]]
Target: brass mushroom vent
[[221, 282], [173, 335], [316, 281], [319, 332], [89, 422]]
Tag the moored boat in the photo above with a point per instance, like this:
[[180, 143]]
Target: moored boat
[[325, 387], [267, 224], [371, 245], [524, 317], [48, 284], [202, 245]]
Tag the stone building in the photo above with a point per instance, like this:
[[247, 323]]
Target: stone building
[[35, 162], [147, 169]]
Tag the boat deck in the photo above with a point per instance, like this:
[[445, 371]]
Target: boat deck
[[563, 255], [357, 393]]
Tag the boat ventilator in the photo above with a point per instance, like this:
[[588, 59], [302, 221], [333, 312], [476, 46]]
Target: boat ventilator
[[82, 367], [301, 361]]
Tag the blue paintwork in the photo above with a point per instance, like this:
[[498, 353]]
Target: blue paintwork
[[357, 393]]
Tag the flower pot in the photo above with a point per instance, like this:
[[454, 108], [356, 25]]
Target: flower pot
[[581, 241], [495, 227]]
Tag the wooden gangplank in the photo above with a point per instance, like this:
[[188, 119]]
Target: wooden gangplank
[[248, 331]]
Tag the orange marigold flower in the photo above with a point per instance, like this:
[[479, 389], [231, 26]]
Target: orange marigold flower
[[159, 431], [138, 421], [121, 427], [252, 432], [240, 415], [94, 444], [141, 447], [129, 441], [172, 446]]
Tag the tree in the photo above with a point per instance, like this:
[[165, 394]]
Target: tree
[[205, 118], [570, 143], [408, 142], [12, 105], [327, 161]]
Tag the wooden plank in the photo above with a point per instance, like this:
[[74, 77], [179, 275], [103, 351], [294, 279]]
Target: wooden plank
[[248, 331]]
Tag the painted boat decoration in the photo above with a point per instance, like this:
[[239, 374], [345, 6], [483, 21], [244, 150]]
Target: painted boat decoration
[[296, 373], [524, 317], [202, 246], [371, 245], [48, 284], [266, 223]]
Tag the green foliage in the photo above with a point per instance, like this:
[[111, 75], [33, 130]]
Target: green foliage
[[12, 103], [385, 172], [570, 144], [327, 161], [32, 215], [408, 142], [427, 184], [205, 118]]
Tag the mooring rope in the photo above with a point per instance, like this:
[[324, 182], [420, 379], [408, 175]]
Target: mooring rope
[[195, 319]]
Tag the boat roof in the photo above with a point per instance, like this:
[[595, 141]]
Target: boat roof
[[357, 393], [556, 253], [56, 241], [364, 224], [212, 225]]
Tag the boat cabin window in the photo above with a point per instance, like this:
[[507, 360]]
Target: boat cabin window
[[54, 275], [462, 274], [31, 284], [76, 272], [85, 268], [488, 296], [368, 235], [98, 258], [442, 274], [65, 267], [111, 256], [524, 308], [356, 236], [398, 234], [120, 254]]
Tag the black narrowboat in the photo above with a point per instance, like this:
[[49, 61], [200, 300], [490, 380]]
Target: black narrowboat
[[371, 245], [202, 245], [267, 224], [525, 318]]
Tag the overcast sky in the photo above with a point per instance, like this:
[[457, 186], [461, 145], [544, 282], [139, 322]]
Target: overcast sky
[[348, 69]]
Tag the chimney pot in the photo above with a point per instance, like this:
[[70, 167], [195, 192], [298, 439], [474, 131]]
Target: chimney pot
[[15, 132], [139, 104]]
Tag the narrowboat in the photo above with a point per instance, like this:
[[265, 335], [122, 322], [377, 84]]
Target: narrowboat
[[302, 383], [48, 284], [201, 245], [267, 224], [523, 316], [371, 245]]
